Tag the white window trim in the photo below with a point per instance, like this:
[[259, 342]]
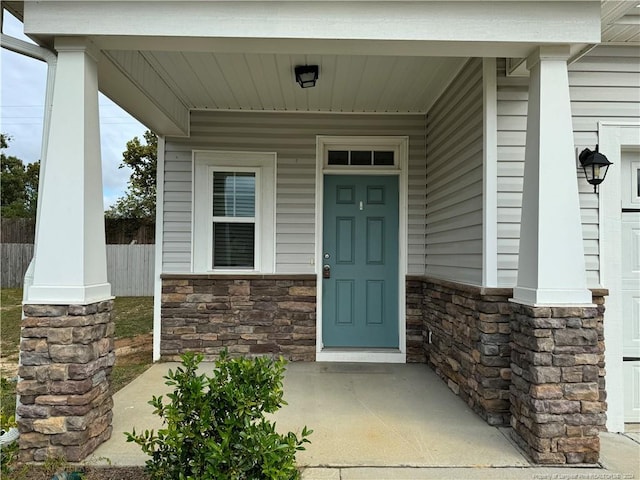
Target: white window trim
[[264, 165], [400, 146]]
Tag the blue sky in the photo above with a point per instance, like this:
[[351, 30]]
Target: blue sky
[[22, 96]]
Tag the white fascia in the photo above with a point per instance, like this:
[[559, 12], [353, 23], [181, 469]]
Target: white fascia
[[438, 21]]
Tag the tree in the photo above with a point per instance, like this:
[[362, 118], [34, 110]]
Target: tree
[[140, 198], [19, 184]]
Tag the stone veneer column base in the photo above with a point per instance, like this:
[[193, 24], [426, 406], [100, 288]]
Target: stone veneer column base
[[557, 391], [66, 357]]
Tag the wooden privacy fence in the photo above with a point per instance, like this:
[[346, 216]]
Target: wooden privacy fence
[[117, 230], [129, 267], [14, 260], [17, 230], [130, 270]]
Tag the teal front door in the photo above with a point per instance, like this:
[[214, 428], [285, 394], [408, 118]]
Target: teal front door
[[360, 261]]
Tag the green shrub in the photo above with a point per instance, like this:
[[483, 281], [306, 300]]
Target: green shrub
[[215, 428]]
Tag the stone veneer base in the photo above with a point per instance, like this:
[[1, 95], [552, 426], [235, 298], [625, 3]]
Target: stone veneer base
[[66, 357], [247, 315], [466, 341]]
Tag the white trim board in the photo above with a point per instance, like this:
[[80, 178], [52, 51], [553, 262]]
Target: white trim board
[[157, 288], [490, 174], [399, 144], [360, 356], [613, 138]]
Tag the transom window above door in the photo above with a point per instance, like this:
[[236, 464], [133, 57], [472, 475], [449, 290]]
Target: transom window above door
[[361, 158]]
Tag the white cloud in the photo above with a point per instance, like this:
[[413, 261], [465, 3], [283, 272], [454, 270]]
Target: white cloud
[[22, 98]]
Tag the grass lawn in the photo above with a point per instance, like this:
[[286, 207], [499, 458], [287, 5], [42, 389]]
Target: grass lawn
[[133, 317], [10, 314]]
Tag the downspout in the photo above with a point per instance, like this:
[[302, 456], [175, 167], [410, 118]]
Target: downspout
[[39, 53]]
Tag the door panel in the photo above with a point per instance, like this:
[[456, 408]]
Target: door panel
[[631, 283], [375, 302], [345, 240], [344, 304], [630, 293], [360, 247], [375, 241], [631, 314], [631, 375]]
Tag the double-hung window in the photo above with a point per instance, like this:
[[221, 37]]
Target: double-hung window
[[233, 212], [234, 218]]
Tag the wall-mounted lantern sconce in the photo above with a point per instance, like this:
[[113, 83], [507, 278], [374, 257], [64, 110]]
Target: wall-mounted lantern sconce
[[595, 166], [306, 75]]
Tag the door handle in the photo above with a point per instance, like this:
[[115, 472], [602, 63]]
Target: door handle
[[326, 271]]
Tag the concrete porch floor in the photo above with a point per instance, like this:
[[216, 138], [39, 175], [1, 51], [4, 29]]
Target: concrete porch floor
[[372, 421]]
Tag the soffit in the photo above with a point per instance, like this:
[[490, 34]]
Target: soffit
[[347, 83], [15, 8], [620, 21]]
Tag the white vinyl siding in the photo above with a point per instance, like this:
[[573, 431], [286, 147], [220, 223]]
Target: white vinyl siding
[[292, 136], [604, 85], [454, 179]]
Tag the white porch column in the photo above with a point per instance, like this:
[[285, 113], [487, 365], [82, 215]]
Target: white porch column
[[551, 269], [69, 265]]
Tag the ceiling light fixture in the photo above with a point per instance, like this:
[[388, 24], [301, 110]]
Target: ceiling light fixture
[[306, 75]]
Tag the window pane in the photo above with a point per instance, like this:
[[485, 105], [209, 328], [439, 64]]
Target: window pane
[[245, 183], [245, 194], [223, 194], [245, 206], [234, 194], [338, 157], [359, 157], [233, 245], [383, 158]]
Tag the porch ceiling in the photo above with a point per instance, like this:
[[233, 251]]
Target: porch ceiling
[[347, 83], [621, 21]]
